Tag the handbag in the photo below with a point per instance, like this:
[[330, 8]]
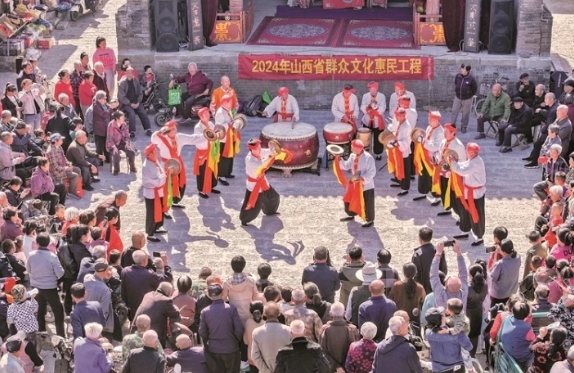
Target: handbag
[[174, 96]]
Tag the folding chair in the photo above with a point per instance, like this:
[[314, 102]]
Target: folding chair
[[492, 127], [520, 141]]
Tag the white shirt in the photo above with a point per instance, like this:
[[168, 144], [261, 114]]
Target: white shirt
[[366, 102], [394, 101], [223, 117], [433, 143], [252, 164], [412, 116], [292, 107], [198, 130], [152, 177], [181, 139], [366, 168], [403, 136], [473, 174], [455, 145], [338, 106]]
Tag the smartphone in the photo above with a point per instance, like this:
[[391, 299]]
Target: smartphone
[[448, 243], [156, 254]]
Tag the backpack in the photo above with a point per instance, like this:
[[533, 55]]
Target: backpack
[[253, 106]]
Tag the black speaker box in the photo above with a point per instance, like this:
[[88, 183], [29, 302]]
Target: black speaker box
[[501, 27], [165, 17]]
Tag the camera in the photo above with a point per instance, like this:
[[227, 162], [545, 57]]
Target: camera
[[490, 249], [448, 243]]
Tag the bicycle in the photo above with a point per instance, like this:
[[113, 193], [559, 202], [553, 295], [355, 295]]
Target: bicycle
[[484, 89]]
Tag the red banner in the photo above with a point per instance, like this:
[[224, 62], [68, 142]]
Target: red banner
[[303, 67]]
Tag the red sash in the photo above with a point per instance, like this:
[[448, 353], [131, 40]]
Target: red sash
[[470, 205], [349, 113], [261, 185], [373, 113], [354, 192], [284, 114], [438, 171], [201, 156], [177, 181], [395, 160], [157, 203]]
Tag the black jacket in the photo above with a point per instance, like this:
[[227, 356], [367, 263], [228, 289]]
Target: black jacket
[[160, 310], [61, 124], [396, 352], [520, 118], [79, 251], [5, 267], [422, 258], [67, 261], [18, 266], [4, 330], [13, 198], [127, 259], [144, 357], [527, 92], [7, 104], [86, 267], [549, 115], [302, 356], [464, 86]]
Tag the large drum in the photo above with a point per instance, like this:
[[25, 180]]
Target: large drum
[[338, 133], [301, 140], [365, 135]]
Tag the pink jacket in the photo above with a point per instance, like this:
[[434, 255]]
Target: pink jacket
[[107, 57]]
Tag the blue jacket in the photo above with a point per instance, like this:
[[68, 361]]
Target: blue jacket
[[325, 277], [221, 328], [445, 351], [44, 269], [191, 360], [379, 311], [24, 144], [83, 313], [398, 353], [92, 357]]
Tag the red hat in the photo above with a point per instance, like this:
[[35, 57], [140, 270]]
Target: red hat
[[226, 98], [434, 115], [373, 84], [150, 149], [253, 143], [348, 88], [473, 147], [281, 91], [399, 85], [450, 127], [171, 125], [203, 110], [357, 144]]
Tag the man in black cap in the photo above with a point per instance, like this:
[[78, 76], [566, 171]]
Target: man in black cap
[[568, 89], [519, 122], [525, 89], [465, 88]]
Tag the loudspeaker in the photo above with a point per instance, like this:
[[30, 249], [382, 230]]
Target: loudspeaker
[[501, 27], [165, 17]]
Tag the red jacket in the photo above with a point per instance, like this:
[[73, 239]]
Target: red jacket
[[86, 92], [66, 88], [114, 240]]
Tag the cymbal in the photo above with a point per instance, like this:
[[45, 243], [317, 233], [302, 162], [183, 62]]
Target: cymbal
[[239, 122], [274, 144], [416, 133], [209, 134], [386, 137], [175, 164], [220, 131], [449, 153], [335, 149]]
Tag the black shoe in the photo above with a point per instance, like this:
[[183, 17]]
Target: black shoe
[[177, 206], [167, 216], [273, 213], [132, 135], [531, 165], [160, 231], [230, 176], [403, 193], [148, 133], [347, 218], [378, 157], [412, 177], [244, 224], [89, 188], [480, 136], [498, 143], [478, 242], [223, 182], [95, 180], [527, 159], [203, 195], [436, 203], [152, 239], [394, 180], [367, 224], [444, 213], [506, 149], [215, 191], [395, 185], [457, 223], [460, 236], [463, 130], [419, 198]]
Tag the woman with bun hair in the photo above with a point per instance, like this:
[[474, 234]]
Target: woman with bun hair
[[407, 293], [64, 86], [10, 100], [547, 351], [316, 303], [256, 310], [477, 292]]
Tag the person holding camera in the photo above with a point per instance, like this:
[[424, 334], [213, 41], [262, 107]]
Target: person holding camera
[[454, 286], [505, 273]]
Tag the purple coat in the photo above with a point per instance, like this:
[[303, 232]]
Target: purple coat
[[101, 118], [41, 183]]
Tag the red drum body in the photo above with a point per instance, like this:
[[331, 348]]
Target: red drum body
[[299, 138], [338, 133]]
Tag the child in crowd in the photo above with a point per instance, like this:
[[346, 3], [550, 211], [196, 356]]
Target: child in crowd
[[19, 254], [97, 239], [40, 139], [57, 221], [527, 285], [457, 322], [35, 209], [285, 304], [115, 259], [554, 222], [264, 271], [198, 287], [550, 263], [563, 247]]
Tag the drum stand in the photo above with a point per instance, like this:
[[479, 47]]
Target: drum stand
[[313, 169], [329, 157]]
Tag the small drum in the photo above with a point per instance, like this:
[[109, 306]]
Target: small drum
[[301, 141], [338, 133], [365, 135]]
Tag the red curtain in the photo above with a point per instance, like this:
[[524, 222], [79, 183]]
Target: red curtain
[[209, 16], [453, 23]]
